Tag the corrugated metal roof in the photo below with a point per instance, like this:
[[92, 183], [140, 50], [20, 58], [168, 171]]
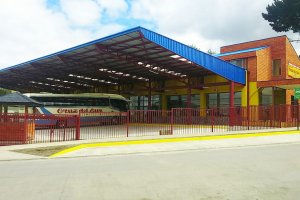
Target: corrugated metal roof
[[75, 48], [213, 64], [240, 51], [130, 56]]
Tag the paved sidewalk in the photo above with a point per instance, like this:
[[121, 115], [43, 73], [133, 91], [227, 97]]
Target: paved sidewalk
[[184, 146], [7, 154]]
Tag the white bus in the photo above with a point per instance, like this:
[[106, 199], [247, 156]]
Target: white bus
[[87, 105]]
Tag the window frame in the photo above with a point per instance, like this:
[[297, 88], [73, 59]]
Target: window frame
[[273, 68]]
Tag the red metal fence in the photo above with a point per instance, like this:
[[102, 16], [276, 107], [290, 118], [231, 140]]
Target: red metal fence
[[24, 129], [103, 125]]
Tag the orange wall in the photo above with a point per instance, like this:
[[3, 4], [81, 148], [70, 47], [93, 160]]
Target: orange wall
[[291, 57], [277, 51], [264, 65]]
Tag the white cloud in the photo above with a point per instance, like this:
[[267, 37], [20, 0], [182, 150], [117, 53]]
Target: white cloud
[[114, 8], [81, 12], [30, 29], [207, 24]]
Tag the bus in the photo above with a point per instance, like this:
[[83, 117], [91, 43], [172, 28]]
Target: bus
[[92, 107]]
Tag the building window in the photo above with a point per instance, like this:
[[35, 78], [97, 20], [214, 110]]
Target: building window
[[221, 102], [141, 102], [176, 101], [180, 101], [239, 62], [276, 68], [212, 100], [195, 101], [265, 96], [222, 99]]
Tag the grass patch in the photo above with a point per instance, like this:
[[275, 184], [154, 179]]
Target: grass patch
[[44, 151]]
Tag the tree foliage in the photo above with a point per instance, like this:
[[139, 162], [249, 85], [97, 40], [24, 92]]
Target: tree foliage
[[194, 46], [211, 52], [4, 91], [284, 15]]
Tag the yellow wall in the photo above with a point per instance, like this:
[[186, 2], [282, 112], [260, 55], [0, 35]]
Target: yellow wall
[[254, 92], [253, 95]]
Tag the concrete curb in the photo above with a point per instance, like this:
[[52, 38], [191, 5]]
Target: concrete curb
[[168, 140], [6, 153]]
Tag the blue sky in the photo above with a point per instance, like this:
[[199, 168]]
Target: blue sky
[[34, 28], [125, 19]]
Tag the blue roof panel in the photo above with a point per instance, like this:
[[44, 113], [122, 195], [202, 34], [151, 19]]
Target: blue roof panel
[[213, 64], [240, 51]]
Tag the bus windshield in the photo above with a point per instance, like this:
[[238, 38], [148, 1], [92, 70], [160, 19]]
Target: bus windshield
[[121, 105]]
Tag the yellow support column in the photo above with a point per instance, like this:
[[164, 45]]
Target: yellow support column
[[164, 102], [253, 95], [202, 103], [202, 100]]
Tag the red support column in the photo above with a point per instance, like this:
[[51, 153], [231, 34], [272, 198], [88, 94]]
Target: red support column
[[272, 117], [127, 122], [77, 133], [231, 104], [212, 119], [248, 98], [149, 95]]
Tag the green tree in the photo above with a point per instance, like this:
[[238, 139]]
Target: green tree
[[194, 46], [284, 15], [4, 91], [211, 52]]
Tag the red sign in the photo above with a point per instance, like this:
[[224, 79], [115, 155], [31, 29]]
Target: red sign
[[75, 111]]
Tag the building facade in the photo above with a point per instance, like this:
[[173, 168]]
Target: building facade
[[158, 73], [273, 71]]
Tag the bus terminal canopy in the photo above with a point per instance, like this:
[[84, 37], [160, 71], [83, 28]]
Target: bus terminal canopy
[[135, 55]]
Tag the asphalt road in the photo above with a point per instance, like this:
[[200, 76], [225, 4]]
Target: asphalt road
[[263, 172]]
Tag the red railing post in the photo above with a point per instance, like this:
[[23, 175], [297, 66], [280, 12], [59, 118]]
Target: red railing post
[[231, 104], [280, 115], [77, 137], [51, 134], [172, 120], [127, 123], [25, 128], [212, 119], [297, 117], [250, 116], [272, 116]]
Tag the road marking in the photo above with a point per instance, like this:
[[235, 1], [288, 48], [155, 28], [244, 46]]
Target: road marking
[[166, 140]]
